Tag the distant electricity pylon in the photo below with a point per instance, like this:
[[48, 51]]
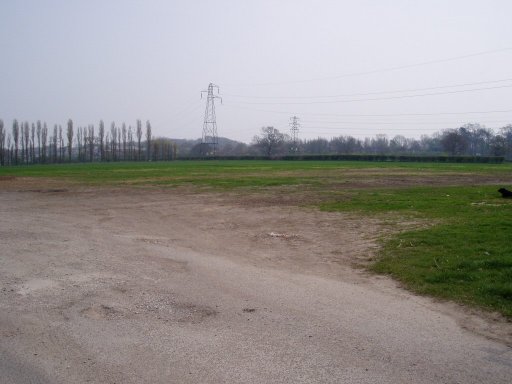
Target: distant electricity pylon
[[294, 124], [210, 140]]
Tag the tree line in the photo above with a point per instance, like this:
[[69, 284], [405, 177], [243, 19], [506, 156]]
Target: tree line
[[468, 140], [36, 144]]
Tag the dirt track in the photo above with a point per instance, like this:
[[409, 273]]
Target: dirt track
[[135, 286]]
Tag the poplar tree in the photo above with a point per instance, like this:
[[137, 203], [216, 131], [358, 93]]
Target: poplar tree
[[79, 142], [16, 138], [70, 138], [148, 140], [130, 143], [61, 145], [38, 130], [2, 143], [55, 137], [124, 141], [44, 138], [32, 143], [22, 136], [113, 138], [139, 138], [91, 142], [26, 136], [101, 136]]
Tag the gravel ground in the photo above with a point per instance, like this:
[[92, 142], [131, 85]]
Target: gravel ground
[[146, 286]]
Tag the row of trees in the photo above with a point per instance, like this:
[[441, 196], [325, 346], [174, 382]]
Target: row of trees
[[35, 144], [468, 140]]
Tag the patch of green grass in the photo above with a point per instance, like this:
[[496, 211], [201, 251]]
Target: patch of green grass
[[220, 174], [233, 174], [465, 256]]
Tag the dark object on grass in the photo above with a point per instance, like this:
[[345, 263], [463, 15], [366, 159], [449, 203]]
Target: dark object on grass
[[505, 192]]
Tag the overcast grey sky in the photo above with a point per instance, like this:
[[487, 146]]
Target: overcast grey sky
[[343, 67]]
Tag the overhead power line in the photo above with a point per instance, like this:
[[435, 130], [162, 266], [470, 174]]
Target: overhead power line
[[377, 98], [370, 114], [370, 93], [405, 129], [314, 123], [380, 70]]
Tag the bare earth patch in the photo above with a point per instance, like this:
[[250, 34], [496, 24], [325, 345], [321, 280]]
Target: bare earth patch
[[155, 286]]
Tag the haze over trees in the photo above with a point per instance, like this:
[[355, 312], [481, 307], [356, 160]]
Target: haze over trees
[[31, 144]]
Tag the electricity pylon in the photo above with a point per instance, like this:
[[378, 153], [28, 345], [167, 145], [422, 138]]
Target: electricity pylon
[[210, 140], [294, 124]]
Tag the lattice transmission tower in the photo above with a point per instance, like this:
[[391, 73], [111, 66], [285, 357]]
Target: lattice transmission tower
[[294, 129], [210, 139]]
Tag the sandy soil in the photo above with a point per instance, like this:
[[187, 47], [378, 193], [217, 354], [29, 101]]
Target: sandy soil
[[147, 286]]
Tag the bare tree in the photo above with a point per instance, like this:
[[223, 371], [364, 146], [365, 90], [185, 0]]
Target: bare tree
[[22, 138], [44, 138], [9, 150], [157, 151], [101, 136], [506, 133], [32, 143], [148, 140], [124, 141], [498, 146], [113, 138], [269, 140], [61, 145], [25, 138], [85, 141], [130, 143], [2, 143], [119, 148], [79, 142], [139, 138], [22, 134], [107, 146], [318, 146], [70, 138], [55, 139], [16, 138], [39, 140], [380, 143], [453, 142], [398, 144], [91, 142]]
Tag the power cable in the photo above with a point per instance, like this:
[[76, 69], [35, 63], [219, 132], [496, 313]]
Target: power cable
[[412, 129], [378, 98], [368, 114], [393, 122], [369, 93], [388, 69]]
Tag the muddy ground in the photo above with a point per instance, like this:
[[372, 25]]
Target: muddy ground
[[168, 286]]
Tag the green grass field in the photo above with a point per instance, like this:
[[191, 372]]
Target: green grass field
[[235, 174], [463, 254]]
